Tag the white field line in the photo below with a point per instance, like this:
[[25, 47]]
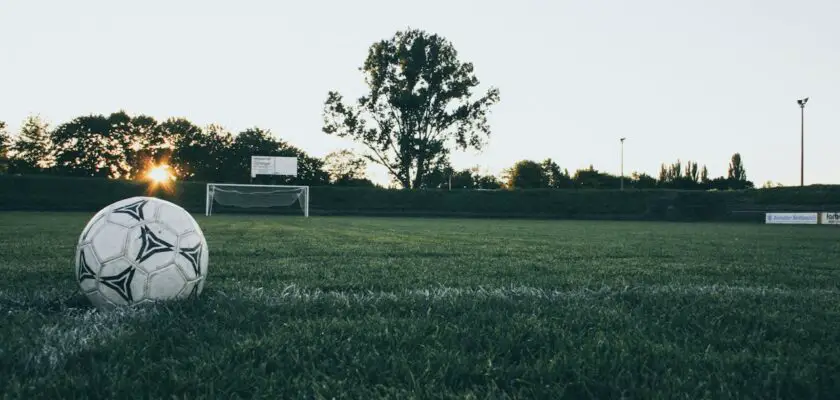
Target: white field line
[[79, 329], [34, 299], [74, 329], [82, 330], [444, 293]]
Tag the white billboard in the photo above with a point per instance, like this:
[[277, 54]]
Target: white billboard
[[830, 218], [268, 165], [808, 218]]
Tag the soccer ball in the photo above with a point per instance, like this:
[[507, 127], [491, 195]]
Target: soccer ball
[[141, 250]]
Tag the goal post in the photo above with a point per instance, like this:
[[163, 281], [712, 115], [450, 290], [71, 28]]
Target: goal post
[[256, 196]]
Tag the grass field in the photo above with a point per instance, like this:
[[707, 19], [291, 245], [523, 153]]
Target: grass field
[[426, 308]]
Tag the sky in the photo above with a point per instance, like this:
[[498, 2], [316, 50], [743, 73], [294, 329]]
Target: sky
[[684, 80]]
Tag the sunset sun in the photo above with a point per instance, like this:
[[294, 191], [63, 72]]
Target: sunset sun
[[160, 174]]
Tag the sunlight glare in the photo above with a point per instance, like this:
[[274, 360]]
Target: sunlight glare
[[159, 174]]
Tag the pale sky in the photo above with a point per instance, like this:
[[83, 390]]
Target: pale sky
[[695, 80]]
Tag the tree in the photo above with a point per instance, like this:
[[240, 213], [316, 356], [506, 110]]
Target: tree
[[85, 147], [483, 182], [720, 183], [556, 178], [737, 175], [200, 154], [464, 179], [345, 167], [663, 173], [704, 175], [144, 144], [642, 181], [679, 176], [5, 146], [736, 169], [116, 146], [670, 175], [260, 142], [419, 106], [488, 182], [185, 138], [591, 178], [470, 178], [438, 176], [32, 149], [527, 174], [691, 172]]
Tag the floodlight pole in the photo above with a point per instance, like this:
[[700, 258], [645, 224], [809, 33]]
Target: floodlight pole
[[801, 103], [622, 163]]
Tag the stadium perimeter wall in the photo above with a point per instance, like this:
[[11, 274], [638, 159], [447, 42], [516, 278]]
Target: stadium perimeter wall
[[51, 193]]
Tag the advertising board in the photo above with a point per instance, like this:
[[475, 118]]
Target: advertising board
[[806, 218]]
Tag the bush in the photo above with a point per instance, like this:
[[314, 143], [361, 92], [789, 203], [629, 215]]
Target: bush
[[52, 193]]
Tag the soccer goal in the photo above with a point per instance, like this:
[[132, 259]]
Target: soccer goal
[[256, 196]]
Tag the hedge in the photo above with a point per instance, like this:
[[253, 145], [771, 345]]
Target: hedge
[[52, 193]]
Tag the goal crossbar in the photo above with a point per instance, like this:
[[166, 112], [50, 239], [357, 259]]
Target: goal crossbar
[[300, 194]]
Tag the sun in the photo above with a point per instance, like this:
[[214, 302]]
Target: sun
[[160, 174]]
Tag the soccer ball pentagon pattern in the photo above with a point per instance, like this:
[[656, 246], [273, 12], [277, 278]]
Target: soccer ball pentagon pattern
[[141, 250]]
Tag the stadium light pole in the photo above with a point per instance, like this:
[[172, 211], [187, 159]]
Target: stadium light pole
[[801, 103], [622, 163]]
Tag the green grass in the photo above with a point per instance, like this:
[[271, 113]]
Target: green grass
[[438, 308]]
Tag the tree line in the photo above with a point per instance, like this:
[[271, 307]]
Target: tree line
[[528, 174], [420, 105], [120, 146], [422, 102]]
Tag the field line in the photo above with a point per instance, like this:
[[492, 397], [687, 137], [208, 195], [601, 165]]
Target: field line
[[82, 330], [73, 331], [447, 293]]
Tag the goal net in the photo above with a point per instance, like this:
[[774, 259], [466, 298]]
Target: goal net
[[256, 197]]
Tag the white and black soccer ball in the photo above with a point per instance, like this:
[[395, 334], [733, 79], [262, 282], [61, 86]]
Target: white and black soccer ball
[[141, 250]]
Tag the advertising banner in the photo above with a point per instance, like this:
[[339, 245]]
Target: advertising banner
[[806, 218], [830, 218]]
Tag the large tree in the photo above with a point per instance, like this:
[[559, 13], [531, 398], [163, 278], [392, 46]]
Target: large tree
[[737, 175], [32, 149], [198, 154], [420, 105], [96, 145], [736, 170], [438, 176], [143, 141], [114, 146]]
